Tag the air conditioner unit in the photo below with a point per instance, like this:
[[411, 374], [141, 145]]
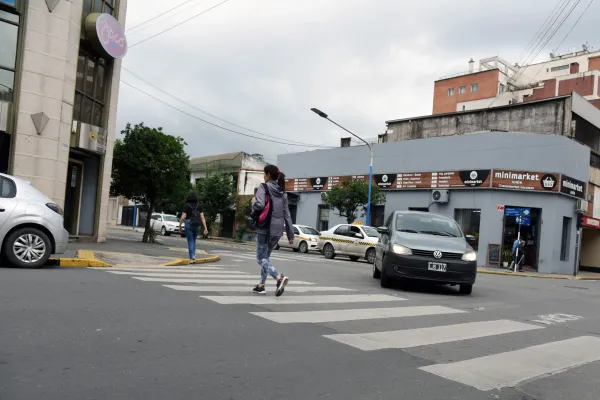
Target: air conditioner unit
[[581, 206], [440, 196]]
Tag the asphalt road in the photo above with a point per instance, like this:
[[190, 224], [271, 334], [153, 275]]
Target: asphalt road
[[198, 333]]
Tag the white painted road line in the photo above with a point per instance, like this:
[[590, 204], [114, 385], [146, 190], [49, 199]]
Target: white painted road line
[[314, 317], [234, 280], [301, 289], [187, 274], [141, 267], [325, 299], [143, 270], [407, 338], [510, 368]]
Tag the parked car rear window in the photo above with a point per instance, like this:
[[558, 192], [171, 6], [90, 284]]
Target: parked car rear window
[[428, 225], [8, 189], [170, 218]]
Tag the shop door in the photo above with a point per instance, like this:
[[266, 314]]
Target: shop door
[[73, 196], [529, 232]]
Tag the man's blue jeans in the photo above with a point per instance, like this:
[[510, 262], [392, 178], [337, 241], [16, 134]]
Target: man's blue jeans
[[264, 247], [191, 233]]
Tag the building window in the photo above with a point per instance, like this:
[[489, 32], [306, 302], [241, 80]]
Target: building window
[[565, 240], [90, 90], [451, 92], [462, 89], [323, 223], [559, 68], [9, 35], [474, 88], [464, 108], [469, 220], [99, 6], [502, 88]]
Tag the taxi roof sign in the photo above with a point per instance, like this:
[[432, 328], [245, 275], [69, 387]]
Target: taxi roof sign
[[357, 223]]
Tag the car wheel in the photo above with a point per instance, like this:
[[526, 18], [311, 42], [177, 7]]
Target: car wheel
[[376, 272], [354, 258], [329, 251], [163, 231], [28, 248], [303, 247], [371, 256], [386, 281], [466, 289], [182, 235]]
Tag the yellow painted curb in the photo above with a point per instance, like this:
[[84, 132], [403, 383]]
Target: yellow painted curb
[[85, 259], [185, 261], [521, 275], [587, 278]]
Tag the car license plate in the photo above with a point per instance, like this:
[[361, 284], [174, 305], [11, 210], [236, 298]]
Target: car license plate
[[439, 267]]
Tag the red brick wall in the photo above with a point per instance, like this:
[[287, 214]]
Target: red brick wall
[[594, 64], [487, 83], [583, 86], [547, 91]]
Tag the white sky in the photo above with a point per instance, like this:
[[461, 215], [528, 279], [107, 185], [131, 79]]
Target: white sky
[[263, 64]]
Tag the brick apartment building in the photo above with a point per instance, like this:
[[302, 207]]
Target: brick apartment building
[[497, 83]]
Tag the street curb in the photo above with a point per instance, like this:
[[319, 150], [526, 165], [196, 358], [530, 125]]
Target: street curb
[[84, 259], [185, 261], [524, 275]]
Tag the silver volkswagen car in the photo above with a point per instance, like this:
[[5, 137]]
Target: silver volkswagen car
[[31, 225]]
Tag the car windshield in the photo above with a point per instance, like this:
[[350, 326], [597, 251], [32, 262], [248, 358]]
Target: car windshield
[[309, 231], [170, 218], [371, 232], [427, 225]]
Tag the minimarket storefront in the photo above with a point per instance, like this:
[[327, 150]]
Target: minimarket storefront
[[493, 204]]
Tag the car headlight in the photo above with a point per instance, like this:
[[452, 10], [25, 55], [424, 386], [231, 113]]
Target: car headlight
[[399, 249], [470, 256], [313, 239]]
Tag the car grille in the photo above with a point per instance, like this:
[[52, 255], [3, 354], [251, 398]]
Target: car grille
[[429, 254]]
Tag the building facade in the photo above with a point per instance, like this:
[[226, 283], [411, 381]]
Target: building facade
[[498, 83], [488, 177], [59, 83]]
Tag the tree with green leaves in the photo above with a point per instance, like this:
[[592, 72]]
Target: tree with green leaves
[[217, 195], [149, 167], [350, 196]]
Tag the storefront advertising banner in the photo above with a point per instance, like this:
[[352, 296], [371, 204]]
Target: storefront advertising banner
[[525, 180], [573, 187]]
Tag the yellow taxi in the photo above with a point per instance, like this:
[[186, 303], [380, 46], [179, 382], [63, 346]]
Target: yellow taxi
[[353, 240]]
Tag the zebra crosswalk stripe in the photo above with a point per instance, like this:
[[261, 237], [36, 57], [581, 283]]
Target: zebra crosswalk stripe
[[354, 315], [160, 269], [324, 299], [293, 289], [211, 281], [186, 274], [509, 368], [408, 338]]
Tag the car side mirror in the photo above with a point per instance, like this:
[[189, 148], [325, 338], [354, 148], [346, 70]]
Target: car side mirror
[[358, 235], [383, 230], [470, 239]]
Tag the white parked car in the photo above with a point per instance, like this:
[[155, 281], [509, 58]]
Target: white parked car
[[166, 224], [31, 225], [354, 241], [305, 239]]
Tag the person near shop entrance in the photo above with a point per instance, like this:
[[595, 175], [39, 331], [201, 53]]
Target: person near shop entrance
[[192, 216], [271, 200], [518, 245]]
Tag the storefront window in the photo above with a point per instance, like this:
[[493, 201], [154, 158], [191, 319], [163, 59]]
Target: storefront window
[[9, 34], [99, 6], [469, 219], [90, 90], [565, 242], [323, 223]]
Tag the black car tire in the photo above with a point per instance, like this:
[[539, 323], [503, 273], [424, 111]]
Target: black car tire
[[466, 289], [376, 272], [303, 247], [386, 281], [370, 256], [12, 257], [329, 251], [295, 250], [354, 258], [182, 235], [163, 231]]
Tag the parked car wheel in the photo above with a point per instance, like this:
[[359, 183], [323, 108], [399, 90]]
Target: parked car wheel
[[182, 235], [376, 273], [371, 256], [329, 251], [27, 248], [163, 231], [466, 289], [354, 258], [303, 247]]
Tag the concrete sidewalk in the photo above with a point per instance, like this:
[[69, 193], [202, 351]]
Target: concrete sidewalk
[[582, 276], [124, 253]]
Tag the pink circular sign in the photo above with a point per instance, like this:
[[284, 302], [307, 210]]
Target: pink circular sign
[[111, 36]]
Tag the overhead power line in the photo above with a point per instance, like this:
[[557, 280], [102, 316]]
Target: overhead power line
[[213, 124], [178, 24], [291, 142], [158, 15]]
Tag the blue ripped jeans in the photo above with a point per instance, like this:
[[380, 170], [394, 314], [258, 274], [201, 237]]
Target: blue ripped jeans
[[264, 247], [191, 234]]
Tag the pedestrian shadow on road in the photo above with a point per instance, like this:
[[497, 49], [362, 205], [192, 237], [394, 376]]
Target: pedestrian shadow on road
[[415, 286]]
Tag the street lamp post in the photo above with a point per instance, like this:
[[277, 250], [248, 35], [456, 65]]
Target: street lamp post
[[323, 115]]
